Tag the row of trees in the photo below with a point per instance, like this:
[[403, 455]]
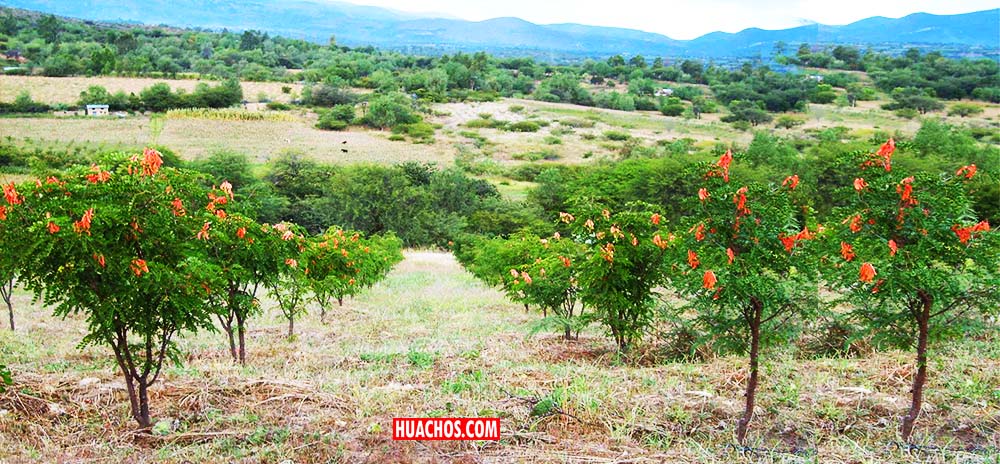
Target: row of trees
[[146, 253], [749, 258], [160, 97]]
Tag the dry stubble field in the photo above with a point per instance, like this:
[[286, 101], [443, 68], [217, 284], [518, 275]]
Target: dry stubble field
[[431, 340]]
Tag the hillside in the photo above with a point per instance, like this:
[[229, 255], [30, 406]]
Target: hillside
[[363, 25]]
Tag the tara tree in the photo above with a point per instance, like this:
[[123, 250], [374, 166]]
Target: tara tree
[[912, 253]]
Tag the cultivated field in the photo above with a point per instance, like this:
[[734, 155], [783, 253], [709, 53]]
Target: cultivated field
[[431, 340]]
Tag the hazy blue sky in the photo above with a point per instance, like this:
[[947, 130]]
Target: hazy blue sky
[[685, 19]]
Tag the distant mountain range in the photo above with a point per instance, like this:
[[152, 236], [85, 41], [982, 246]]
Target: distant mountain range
[[355, 25]]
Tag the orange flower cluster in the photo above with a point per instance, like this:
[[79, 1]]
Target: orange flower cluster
[[789, 241], [139, 266], [83, 225], [965, 233], [867, 272], [740, 200], [98, 176], [860, 184], [724, 162], [709, 280], [203, 233], [53, 227], [905, 190], [151, 162], [883, 157], [655, 219], [178, 207], [703, 194], [966, 171], [699, 232], [791, 182], [11, 195], [731, 254], [847, 251], [608, 252], [658, 241], [693, 259]]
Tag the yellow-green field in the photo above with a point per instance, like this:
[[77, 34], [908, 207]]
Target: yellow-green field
[[431, 340]]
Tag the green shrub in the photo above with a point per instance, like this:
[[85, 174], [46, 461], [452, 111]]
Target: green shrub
[[577, 123], [553, 140], [516, 108], [788, 122], [278, 106], [617, 136], [329, 121], [524, 126]]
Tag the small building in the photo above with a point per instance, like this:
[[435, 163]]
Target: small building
[[664, 92], [97, 110]]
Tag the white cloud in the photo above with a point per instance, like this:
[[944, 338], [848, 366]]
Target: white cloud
[[685, 19]]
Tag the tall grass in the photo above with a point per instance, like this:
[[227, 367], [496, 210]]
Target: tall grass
[[229, 114]]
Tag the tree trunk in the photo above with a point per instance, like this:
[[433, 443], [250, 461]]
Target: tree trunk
[[526, 307], [340, 301], [143, 414], [232, 343], [10, 311], [242, 330], [291, 327], [741, 430], [7, 291], [917, 398]]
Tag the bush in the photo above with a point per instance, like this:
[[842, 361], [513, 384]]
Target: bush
[[672, 106], [964, 109], [328, 121], [278, 106], [788, 122], [483, 123], [390, 110], [524, 126], [617, 136], [577, 123]]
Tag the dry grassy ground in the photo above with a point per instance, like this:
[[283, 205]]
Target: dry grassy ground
[[431, 340]]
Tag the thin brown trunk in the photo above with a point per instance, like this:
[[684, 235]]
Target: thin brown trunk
[[143, 413], [242, 330], [340, 301], [526, 307], [291, 326], [7, 290], [10, 311], [917, 398], [741, 430], [232, 342]]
